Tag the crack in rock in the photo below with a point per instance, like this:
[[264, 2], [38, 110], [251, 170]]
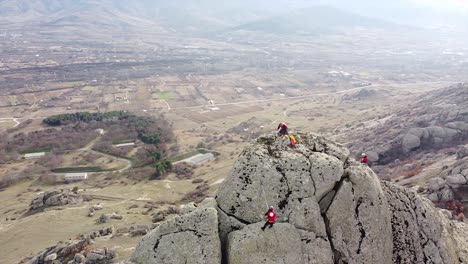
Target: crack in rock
[[195, 232], [328, 198], [360, 225], [235, 217], [336, 254], [285, 201]]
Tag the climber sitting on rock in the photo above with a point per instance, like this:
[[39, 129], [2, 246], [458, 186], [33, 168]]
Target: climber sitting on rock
[[271, 218], [364, 159], [282, 129]]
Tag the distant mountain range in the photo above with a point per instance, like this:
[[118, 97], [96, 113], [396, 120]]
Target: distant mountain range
[[317, 19], [207, 16]]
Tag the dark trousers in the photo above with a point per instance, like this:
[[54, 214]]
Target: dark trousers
[[283, 132], [267, 224]]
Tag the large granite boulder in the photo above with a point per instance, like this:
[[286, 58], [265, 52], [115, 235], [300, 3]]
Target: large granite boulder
[[410, 142], [283, 243], [357, 206], [190, 238], [57, 198], [420, 232], [330, 209]]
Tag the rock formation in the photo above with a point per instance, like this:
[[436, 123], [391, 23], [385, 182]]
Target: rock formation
[[57, 198], [451, 184], [330, 209], [434, 121], [190, 238], [76, 251]]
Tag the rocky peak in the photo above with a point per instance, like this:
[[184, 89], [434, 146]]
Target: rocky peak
[[330, 209]]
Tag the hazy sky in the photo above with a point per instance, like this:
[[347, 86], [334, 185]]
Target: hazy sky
[[445, 4]]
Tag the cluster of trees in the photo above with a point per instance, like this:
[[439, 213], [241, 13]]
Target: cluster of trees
[[149, 130], [155, 132], [56, 140], [65, 119]]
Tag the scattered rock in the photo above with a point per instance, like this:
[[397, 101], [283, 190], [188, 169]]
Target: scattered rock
[[99, 256], [138, 232], [436, 184], [79, 258], [97, 207], [104, 218], [51, 257], [158, 217], [408, 167], [456, 180], [462, 152], [446, 195], [116, 216]]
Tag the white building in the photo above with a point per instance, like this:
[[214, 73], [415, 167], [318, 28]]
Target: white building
[[130, 144], [76, 176], [200, 159], [30, 156]]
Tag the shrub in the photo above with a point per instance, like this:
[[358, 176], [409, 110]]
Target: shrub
[[197, 195], [183, 170]]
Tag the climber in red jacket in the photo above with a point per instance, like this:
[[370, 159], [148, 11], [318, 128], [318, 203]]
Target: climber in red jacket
[[271, 218], [282, 129], [364, 159]]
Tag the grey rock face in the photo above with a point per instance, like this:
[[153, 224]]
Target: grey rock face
[[419, 132], [283, 243], [436, 184], [421, 234], [189, 238], [410, 142], [446, 194], [372, 156], [462, 152], [359, 204], [456, 180]]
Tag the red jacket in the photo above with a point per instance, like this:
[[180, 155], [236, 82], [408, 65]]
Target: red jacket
[[271, 216], [364, 160], [282, 126]]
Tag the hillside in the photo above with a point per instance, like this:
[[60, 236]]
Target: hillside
[[434, 121], [205, 16], [313, 20]]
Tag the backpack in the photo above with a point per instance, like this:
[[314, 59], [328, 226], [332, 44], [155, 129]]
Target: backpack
[[292, 140]]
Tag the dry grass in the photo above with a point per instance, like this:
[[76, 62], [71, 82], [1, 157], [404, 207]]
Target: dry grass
[[413, 172]]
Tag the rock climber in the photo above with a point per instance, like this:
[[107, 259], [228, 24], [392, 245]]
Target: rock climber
[[364, 159], [292, 141], [271, 215], [282, 129]]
